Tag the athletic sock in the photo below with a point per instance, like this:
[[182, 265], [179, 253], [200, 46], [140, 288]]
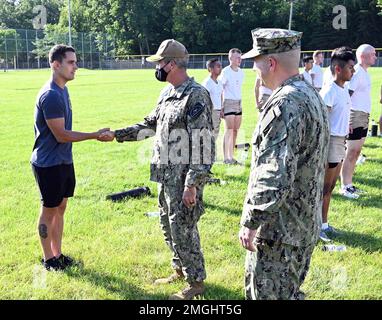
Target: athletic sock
[[325, 226]]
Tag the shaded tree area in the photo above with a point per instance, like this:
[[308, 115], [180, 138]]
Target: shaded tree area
[[138, 26]]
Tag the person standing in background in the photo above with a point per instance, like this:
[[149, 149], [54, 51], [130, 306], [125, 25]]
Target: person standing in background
[[262, 93], [360, 92], [316, 72], [380, 118], [215, 89], [337, 99], [232, 79], [308, 65]]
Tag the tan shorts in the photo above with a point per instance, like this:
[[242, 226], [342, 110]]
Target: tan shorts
[[216, 120], [263, 100], [337, 149], [232, 107], [359, 119]]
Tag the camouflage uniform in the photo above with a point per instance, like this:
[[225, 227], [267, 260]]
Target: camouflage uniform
[[284, 198], [183, 112]]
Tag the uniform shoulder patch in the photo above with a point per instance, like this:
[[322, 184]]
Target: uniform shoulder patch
[[196, 110]]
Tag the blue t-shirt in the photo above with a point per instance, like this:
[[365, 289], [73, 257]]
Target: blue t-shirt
[[52, 102]]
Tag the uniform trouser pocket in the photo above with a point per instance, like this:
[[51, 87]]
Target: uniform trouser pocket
[[184, 233], [276, 271]]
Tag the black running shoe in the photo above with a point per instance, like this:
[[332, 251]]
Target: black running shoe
[[65, 261], [52, 264]]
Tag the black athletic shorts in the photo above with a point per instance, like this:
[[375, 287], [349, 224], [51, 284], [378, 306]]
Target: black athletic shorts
[[233, 114], [55, 183], [358, 134], [333, 165]]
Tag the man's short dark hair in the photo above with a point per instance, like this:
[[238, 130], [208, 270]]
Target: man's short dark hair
[[211, 63], [344, 48], [307, 59], [58, 52], [341, 58], [234, 50]]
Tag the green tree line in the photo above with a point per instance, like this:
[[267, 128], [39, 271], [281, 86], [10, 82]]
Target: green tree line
[[138, 26]]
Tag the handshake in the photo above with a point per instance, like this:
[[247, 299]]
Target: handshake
[[105, 135]]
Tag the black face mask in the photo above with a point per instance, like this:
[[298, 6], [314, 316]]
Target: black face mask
[[161, 74]]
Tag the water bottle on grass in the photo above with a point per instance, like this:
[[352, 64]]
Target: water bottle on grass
[[333, 247]]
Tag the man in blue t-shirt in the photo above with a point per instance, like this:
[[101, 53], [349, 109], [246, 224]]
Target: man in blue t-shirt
[[52, 160]]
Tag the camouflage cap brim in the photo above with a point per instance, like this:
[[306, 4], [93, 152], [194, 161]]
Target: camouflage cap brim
[[251, 54], [268, 41]]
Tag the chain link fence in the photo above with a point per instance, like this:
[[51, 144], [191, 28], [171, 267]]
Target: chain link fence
[[27, 49], [198, 61]]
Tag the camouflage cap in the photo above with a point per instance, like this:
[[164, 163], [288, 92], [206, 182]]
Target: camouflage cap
[[266, 41], [169, 48]]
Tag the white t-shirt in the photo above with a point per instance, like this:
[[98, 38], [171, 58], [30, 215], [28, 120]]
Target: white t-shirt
[[264, 90], [232, 82], [328, 77], [338, 99], [360, 83], [307, 77], [215, 90], [318, 76]]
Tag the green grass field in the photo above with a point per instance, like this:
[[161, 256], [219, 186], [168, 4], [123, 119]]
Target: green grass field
[[121, 250]]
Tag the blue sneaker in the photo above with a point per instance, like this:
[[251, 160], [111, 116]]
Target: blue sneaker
[[324, 237], [331, 232]]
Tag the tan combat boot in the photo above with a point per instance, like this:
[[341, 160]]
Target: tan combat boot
[[177, 275], [192, 290]]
